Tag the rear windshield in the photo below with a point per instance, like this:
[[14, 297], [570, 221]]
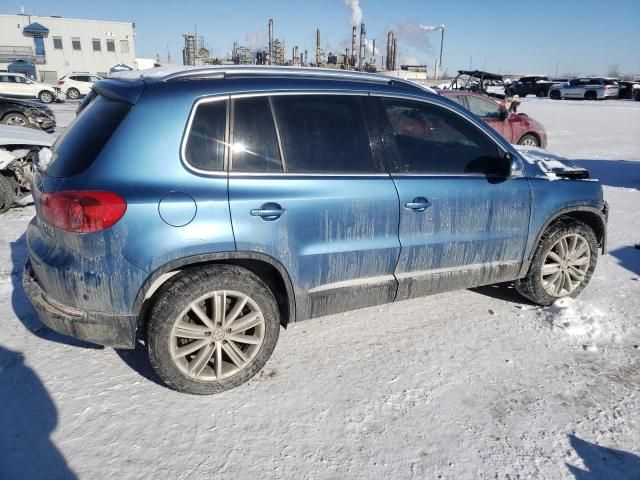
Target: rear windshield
[[77, 148]]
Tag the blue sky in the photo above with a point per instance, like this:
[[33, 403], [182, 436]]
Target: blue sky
[[509, 35]]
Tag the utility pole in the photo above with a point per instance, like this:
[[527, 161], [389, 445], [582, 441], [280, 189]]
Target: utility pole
[[441, 44], [557, 63]]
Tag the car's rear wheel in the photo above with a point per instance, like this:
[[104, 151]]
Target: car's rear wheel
[[73, 93], [7, 193], [529, 140], [591, 95], [212, 329], [541, 93], [17, 119], [555, 95], [46, 96], [563, 264]]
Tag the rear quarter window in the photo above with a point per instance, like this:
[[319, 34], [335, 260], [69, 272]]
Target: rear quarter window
[[77, 148]]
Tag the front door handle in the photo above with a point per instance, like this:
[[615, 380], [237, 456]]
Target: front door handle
[[418, 204], [268, 211]]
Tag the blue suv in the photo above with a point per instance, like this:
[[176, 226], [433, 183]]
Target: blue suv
[[201, 209]]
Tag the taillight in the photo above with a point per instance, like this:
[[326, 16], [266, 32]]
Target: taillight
[[82, 211]]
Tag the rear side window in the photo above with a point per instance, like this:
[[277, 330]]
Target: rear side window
[[255, 143], [81, 143], [205, 145], [432, 139], [323, 134], [483, 108]]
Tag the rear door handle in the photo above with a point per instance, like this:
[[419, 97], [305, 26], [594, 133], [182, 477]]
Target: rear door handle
[[268, 211], [419, 204]]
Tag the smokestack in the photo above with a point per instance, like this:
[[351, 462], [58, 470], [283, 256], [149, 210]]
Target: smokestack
[[361, 56], [389, 50], [317, 47], [270, 41], [395, 53], [373, 52], [306, 58], [296, 57], [353, 46]]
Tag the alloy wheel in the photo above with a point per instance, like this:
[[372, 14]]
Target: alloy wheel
[[566, 265], [217, 335], [16, 120]]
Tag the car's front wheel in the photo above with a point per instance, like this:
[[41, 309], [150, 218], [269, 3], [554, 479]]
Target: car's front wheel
[[212, 329], [17, 119], [46, 96], [563, 263], [7, 193]]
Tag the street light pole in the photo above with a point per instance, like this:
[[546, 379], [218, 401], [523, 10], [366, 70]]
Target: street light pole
[[441, 44], [557, 63], [484, 66]]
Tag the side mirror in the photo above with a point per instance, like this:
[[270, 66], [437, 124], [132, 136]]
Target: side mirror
[[512, 165]]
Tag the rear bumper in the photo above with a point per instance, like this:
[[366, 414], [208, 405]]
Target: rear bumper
[[118, 331]]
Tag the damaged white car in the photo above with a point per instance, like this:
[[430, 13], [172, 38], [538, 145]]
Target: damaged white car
[[19, 149]]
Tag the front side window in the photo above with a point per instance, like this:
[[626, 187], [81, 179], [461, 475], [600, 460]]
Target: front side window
[[432, 139], [124, 46], [97, 46], [323, 134], [75, 43], [205, 144], [57, 43], [111, 46], [483, 108], [255, 143]]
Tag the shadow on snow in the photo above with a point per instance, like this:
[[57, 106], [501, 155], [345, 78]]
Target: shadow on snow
[[603, 463]]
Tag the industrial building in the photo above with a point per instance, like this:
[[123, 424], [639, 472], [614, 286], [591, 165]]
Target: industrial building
[[49, 47]]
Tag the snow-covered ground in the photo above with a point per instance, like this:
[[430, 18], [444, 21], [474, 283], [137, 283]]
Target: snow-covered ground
[[469, 384]]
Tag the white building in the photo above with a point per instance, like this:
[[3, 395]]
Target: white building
[[57, 46]]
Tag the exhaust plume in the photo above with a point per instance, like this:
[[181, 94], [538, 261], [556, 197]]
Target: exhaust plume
[[356, 11], [432, 29]]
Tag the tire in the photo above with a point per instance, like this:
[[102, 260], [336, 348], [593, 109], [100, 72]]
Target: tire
[[7, 194], [590, 95], [541, 94], [73, 93], [16, 119], [555, 95], [178, 304], [529, 140], [533, 287], [46, 96]]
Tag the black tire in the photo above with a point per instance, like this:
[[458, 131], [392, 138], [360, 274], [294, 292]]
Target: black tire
[[541, 94], [73, 93], [590, 95], [7, 193], [526, 139], [46, 96], [555, 95], [178, 294], [16, 118], [531, 286]]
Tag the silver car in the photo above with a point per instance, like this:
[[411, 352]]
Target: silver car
[[586, 88]]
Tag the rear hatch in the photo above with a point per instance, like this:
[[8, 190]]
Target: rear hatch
[[72, 249]]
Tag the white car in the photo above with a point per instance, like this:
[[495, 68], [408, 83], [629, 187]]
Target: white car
[[596, 88], [19, 149], [77, 85], [20, 86]]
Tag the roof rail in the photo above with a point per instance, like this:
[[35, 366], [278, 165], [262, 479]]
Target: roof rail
[[168, 74]]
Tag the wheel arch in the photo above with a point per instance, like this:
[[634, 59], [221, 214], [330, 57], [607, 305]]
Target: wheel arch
[[533, 134], [267, 268], [593, 217]]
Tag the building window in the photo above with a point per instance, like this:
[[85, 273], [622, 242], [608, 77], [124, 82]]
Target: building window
[[111, 45], [124, 46], [57, 43], [97, 47], [75, 43]]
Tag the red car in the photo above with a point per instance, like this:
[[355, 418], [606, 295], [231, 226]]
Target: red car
[[517, 128]]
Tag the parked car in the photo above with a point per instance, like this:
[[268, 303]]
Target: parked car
[[77, 85], [204, 208], [586, 88], [19, 147], [627, 89], [18, 85], [537, 85], [636, 92], [26, 113], [515, 127]]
